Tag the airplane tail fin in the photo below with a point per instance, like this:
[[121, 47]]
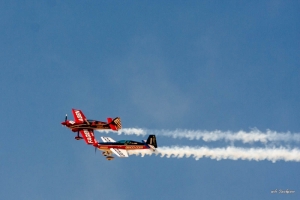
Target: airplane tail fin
[[117, 122], [152, 141], [114, 124]]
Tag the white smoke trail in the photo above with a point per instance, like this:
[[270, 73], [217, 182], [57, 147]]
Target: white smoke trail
[[127, 131], [254, 135], [233, 153]]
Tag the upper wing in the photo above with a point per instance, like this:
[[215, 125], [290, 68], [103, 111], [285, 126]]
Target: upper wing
[[107, 139], [88, 136], [78, 116], [120, 152]]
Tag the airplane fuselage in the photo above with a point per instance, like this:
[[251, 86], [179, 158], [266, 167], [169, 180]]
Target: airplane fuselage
[[94, 125], [106, 146]]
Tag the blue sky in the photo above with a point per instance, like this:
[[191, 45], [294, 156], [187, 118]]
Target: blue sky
[[198, 65]]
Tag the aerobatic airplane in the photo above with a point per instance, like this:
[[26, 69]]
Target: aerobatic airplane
[[121, 148], [86, 126]]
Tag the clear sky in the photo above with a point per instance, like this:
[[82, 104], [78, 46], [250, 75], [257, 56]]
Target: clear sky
[[197, 65]]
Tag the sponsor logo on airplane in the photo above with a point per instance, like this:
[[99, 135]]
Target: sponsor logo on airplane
[[134, 147], [77, 112], [88, 136]]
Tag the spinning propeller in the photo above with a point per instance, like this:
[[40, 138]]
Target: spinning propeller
[[65, 122]]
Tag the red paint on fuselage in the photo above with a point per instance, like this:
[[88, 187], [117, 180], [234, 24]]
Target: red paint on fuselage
[[102, 146], [94, 125]]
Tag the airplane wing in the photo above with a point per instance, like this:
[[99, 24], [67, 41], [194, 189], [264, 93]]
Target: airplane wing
[[78, 116], [107, 139], [120, 152], [88, 136]]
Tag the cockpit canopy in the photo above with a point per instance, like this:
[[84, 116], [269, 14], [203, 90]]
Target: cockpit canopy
[[128, 142]]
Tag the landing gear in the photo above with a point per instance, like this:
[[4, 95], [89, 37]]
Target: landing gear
[[78, 137], [109, 158], [107, 154], [104, 153]]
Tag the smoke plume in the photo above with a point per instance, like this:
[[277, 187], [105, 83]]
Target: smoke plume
[[232, 153], [254, 135]]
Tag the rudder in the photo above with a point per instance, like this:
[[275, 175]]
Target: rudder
[[152, 140], [117, 122]]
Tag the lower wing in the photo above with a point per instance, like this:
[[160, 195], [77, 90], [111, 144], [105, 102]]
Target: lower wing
[[88, 136], [122, 153]]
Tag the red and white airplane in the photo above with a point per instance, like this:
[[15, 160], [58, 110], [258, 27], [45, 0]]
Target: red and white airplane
[[86, 126], [121, 148]]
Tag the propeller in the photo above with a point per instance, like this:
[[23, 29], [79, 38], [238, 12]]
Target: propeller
[[95, 149], [65, 122], [96, 145]]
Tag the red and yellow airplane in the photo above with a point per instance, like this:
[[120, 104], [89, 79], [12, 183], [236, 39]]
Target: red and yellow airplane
[[86, 126]]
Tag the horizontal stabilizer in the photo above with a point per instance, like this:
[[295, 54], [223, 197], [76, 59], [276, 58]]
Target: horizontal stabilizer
[[109, 120], [113, 127]]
